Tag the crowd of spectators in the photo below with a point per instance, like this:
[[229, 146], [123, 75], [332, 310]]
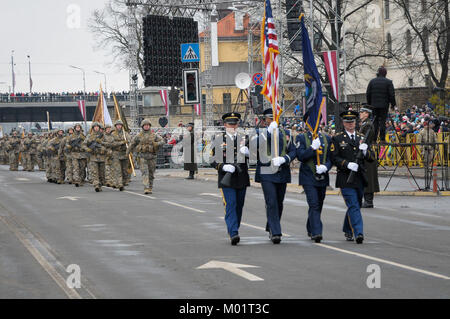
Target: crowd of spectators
[[58, 97]]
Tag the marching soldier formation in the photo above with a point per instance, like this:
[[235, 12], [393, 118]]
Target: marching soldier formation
[[104, 157]]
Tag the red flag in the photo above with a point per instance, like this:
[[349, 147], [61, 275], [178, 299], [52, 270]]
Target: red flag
[[163, 94], [82, 107], [198, 109], [330, 59]]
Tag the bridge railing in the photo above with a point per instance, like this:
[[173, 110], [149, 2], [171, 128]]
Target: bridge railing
[[55, 98]]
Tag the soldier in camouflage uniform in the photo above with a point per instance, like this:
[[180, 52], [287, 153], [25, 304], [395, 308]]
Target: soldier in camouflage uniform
[[57, 158], [47, 157], [427, 135], [120, 160], [13, 148], [66, 154], [146, 144], [40, 152], [93, 145], [31, 156], [3, 153], [108, 143], [78, 156]]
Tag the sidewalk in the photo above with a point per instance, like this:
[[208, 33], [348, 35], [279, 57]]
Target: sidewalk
[[400, 185]]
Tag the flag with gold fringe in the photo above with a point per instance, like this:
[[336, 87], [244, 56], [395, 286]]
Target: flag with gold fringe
[[101, 113]]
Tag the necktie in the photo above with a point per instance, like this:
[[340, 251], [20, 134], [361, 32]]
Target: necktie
[[353, 137]]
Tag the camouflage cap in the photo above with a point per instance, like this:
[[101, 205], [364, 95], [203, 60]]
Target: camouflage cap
[[118, 122]]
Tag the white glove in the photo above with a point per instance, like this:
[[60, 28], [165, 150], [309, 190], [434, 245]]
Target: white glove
[[229, 168], [321, 169], [272, 127], [363, 147], [278, 161], [244, 150], [353, 166], [316, 144]]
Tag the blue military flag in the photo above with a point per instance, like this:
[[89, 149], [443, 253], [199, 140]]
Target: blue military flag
[[313, 87]]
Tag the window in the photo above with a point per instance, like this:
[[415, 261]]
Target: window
[[389, 45], [410, 82], [386, 9], [426, 40], [424, 5], [408, 42], [226, 102]]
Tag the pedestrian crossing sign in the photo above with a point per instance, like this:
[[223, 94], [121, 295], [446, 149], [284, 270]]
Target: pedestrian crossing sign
[[190, 52]]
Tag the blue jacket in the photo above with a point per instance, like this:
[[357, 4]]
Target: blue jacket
[[284, 174], [304, 154]]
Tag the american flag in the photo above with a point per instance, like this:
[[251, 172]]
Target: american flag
[[269, 44]]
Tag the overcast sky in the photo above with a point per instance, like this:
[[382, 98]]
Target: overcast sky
[[47, 30]]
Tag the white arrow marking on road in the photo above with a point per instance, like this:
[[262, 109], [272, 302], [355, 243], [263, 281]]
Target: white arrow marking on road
[[231, 267], [69, 198], [211, 194]]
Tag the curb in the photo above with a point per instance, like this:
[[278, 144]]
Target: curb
[[293, 188]]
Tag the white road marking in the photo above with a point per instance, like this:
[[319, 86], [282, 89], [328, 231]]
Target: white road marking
[[142, 195], [23, 179], [233, 268], [70, 198], [183, 206], [425, 272], [211, 194]]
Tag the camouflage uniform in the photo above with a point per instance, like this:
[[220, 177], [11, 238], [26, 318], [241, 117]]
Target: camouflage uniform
[[29, 152], [427, 135], [146, 144], [66, 154], [47, 157], [3, 153], [40, 152], [93, 144], [108, 143], [78, 156], [57, 163], [120, 161], [13, 148]]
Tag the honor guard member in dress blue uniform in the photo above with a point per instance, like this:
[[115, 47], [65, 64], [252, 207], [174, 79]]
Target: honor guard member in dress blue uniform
[[274, 182], [314, 177], [233, 178], [348, 152]]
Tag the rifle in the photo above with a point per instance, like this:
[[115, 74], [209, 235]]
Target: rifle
[[76, 143], [360, 158]]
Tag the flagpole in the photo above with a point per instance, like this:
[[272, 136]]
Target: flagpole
[[29, 73]]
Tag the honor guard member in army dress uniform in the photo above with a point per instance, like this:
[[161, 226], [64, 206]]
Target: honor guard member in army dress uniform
[[348, 153], [274, 182], [233, 178], [146, 144], [314, 177], [371, 167]]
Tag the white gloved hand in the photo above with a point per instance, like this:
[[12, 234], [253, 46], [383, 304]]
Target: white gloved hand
[[229, 168], [321, 169], [363, 147], [278, 161], [272, 126], [316, 144], [244, 150], [353, 166]]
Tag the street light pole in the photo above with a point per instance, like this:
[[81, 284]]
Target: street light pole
[[106, 88], [29, 74], [84, 94]]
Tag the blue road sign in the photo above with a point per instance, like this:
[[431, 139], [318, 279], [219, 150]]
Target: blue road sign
[[190, 52]]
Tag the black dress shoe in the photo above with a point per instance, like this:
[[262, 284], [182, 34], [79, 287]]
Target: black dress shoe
[[235, 240], [317, 238], [276, 239], [359, 239], [349, 237]]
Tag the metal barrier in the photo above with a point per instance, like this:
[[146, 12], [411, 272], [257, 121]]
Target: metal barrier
[[55, 98]]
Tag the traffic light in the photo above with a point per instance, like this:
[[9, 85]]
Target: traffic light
[[191, 86]]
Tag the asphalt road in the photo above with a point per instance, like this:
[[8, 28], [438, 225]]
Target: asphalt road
[[128, 245]]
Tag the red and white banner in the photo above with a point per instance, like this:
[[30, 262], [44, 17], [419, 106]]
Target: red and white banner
[[82, 107], [163, 94], [198, 109], [330, 59]]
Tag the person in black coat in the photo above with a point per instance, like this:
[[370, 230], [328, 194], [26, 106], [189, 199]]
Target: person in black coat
[[230, 159], [345, 148], [380, 93], [189, 151]]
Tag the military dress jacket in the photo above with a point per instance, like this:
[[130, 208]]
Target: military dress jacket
[[344, 151]]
